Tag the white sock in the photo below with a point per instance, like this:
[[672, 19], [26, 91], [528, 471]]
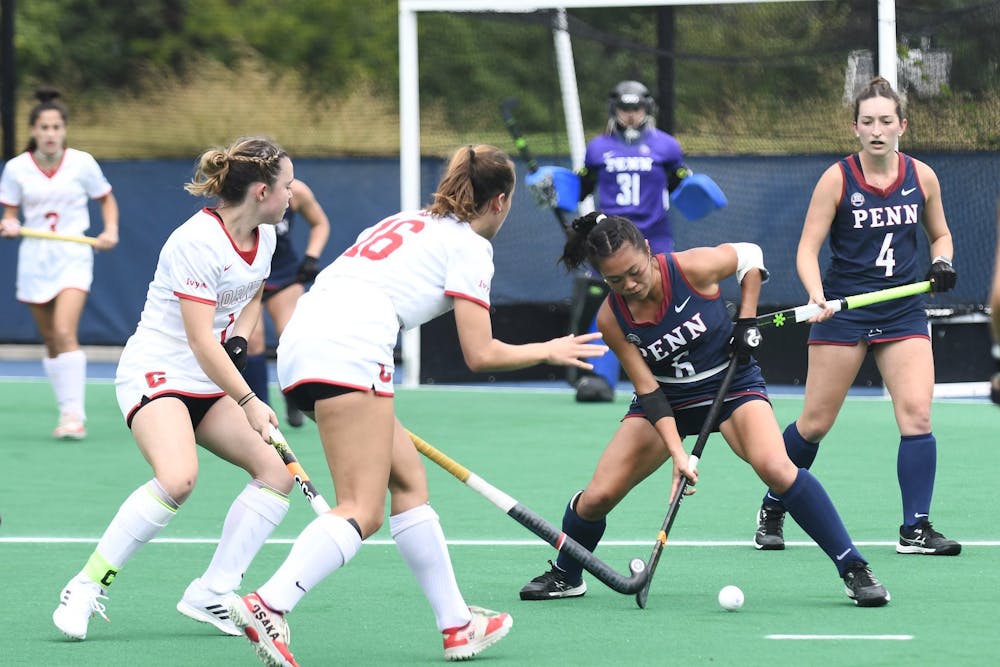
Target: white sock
[[419, 538], [140, 518], [251, 519], [327, 543], [67, 373]]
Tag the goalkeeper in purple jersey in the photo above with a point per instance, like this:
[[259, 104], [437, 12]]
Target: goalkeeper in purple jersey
[[631, 170]]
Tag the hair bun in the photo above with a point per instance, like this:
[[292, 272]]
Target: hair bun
[[47, 94]]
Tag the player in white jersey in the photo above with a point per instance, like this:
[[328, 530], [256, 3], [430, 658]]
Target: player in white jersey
[[179, 385], [49, 185], [335, 363]]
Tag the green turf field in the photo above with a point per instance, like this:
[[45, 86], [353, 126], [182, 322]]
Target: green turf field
[[56, 498]]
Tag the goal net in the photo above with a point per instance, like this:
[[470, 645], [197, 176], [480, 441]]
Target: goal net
[[757, 93]]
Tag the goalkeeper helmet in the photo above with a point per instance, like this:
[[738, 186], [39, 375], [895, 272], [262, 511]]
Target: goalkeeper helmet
[[630, 95]]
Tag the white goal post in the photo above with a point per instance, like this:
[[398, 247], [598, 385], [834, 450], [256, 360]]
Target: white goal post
[[409, 95]]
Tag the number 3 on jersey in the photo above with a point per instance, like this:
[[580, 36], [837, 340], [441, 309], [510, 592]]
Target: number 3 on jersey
[[384, 239], [886, 256]]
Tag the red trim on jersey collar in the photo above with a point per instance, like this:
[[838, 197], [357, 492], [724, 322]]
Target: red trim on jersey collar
[[661, 260], [247, 255], [49, 173], [855, 163]]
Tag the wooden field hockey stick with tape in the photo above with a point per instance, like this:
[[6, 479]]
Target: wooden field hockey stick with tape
[[315, 498], [802, 313], [699, 446], [55, 236], [539, 526]]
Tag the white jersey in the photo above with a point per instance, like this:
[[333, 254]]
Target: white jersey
[[400, 273], [199, 262], [420, 261], [54, 201]]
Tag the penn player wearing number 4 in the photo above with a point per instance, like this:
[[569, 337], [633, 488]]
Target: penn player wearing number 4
[[667, 323], [873, 205], [179, 385], [335, 361]]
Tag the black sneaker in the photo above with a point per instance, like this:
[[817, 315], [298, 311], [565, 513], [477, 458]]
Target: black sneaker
[[293, 415], [770, 524], [923, 539], [552, 584], [862, 586], [594, 389]]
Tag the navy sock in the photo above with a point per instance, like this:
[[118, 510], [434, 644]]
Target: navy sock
[[256, 375], [916, 463], [811, 507], [587, 533], [800, 451]]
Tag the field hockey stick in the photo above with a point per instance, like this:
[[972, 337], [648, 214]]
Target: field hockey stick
[[699, 446], [802, 313], [54, 236], [539, 526], [315, 498], [507, 112]]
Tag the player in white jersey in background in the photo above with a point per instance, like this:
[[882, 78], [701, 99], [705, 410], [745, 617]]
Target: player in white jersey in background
[[179, 385], [51, 184], [335, 362]]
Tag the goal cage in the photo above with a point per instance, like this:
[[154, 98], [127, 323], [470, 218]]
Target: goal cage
[[757, 92]]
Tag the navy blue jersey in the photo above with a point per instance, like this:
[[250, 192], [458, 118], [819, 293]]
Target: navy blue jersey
[[874, 240], [687, 346], [285, 263]]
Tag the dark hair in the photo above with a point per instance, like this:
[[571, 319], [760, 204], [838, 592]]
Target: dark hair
[[878, 87], [475, 175], [595, 236], [227, 173], [48, 99]]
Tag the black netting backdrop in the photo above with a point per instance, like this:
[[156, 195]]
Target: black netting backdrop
[[759, 97]]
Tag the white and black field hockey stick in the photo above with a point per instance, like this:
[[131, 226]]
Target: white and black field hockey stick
[[802, 313], [699, 446], [319, 504], [507, 112], [539, 526]]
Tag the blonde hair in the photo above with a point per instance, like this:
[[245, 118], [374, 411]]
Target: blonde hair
[[227, 173]]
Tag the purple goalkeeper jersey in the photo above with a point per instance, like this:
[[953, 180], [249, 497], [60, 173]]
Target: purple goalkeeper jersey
[[632, 181]]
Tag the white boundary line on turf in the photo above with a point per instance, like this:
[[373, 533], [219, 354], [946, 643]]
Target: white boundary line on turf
[[841, 637], [471, 543]]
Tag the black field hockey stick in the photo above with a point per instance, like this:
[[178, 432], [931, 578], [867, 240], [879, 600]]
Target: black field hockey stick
[[699, 446], [319, 504], [539, 526], [507, 112], [802, 313]]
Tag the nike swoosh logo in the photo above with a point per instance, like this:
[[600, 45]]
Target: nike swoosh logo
[[905, 192], [680, 307], [919, 516], [226, 268], [841, 556], [299, 586]]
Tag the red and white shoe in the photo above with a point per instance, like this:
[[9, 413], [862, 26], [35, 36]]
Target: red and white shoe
[[485, 629], [70, 428], [266, 629]]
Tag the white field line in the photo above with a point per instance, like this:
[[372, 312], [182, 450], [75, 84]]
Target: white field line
[[42, 539], [902, 638]]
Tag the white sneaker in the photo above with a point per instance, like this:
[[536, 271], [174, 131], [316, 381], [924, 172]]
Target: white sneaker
[[485, 629], [70, 428], [266, 629], [80, 600], [203, 605]]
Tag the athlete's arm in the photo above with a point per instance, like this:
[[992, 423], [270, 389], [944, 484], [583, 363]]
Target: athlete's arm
[[941, 244], [644, 382], [819, 219], [108, 238], [250, 316], [10, 225], [304, 202], [483, 352]]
